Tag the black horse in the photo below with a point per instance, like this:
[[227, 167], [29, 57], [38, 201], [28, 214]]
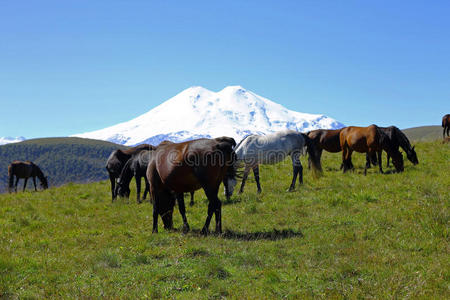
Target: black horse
[[25, 170], [117, 160], [136, 166], [397, 139], [446, 125]]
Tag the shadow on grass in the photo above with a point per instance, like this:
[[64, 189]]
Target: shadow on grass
[[273, 235]]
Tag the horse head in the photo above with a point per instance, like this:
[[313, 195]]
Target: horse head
[[397, 159], [122, 190], [412, 156], [44, 182]]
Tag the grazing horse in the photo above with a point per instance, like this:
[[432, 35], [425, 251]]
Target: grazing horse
[[446, 125], [117, 160], [369, 140], [176, 168], [397, 139], [325, 139], [25, 170], [254, 150], [136, 166]]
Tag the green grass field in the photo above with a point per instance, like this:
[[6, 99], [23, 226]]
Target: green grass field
[[340, 236]]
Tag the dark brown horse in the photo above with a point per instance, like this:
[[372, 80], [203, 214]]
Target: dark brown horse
[[25, 170], [117, 160], [176, 168], [325, 139], [397, 139], [446, 125], [369, 140]]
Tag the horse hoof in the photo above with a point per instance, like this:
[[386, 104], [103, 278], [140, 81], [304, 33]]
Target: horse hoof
[[191, 203], [204, 232], [186, 228], [155, 231], [259, 191]]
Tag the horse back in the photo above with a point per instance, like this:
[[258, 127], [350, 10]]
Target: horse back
[[188, 166], [361, 139]]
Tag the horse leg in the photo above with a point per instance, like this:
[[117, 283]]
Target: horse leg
[[296, 170], [256, 174], [113, 187], [388, 157], [147, 188], [25, 184], [244, 178], [347, 158], [182, 209], [155, 214], [192, 199], [138, 188], [34, 182], [214, 206], [367, 162], [15, 185], [379, 161]]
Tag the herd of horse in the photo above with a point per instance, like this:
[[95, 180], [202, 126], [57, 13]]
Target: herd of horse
[[172, 169]]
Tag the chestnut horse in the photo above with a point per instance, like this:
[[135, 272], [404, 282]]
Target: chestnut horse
[[325, 139], [117, 160], [176, 168], [369, 140], [446, 125], [25, 170]]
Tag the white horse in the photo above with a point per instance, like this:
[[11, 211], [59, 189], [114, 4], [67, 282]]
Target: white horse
[[254, 150]]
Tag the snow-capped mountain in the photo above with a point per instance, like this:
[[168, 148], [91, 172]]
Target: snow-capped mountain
[[197, 112], [9, 140]]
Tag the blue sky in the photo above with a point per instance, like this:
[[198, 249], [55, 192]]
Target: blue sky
[[68, 67]]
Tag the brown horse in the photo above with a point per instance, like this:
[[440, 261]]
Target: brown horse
[[367, 140], [176, 168], [25, 170], [116, 161], [325, 139], [446, 125]]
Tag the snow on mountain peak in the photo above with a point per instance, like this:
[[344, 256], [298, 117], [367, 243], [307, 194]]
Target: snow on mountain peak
[[198, 112], [9, 140]]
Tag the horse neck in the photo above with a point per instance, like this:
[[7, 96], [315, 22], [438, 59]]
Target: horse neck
[[37, 171], [127, 173], [403, 141]]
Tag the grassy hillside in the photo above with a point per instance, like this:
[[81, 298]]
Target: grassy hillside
[[341, 236], [61, 159], [424, 133]]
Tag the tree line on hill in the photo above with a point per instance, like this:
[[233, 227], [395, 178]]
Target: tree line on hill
[[63, 160]]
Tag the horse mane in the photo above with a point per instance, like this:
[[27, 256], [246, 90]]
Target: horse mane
[[237, 146], [402, 139]]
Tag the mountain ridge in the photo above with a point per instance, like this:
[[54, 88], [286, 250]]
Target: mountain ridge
[[199, 112]]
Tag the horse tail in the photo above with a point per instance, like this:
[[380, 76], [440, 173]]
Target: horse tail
[[11, 177], [313, 154]]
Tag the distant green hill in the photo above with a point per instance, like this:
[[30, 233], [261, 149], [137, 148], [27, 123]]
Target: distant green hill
[[424, 133], [67, 159]]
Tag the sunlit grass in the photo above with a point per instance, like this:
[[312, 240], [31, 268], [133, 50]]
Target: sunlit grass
[[343, 235]]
